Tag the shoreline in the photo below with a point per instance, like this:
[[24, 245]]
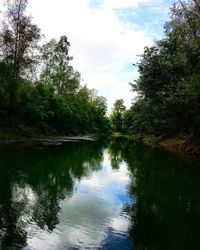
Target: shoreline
[[179, 145]]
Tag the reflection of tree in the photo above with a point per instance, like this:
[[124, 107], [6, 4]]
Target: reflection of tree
[[166, 214], [12, 235], [115, 151], [50, 175]]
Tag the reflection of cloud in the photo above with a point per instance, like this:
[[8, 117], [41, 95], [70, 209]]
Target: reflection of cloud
[[119, 224], [83, 222], [24, 195], [91, 212], [86, 219], [102, 179]]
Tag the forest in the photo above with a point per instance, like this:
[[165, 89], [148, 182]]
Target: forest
[[168, 88], [41, 93]]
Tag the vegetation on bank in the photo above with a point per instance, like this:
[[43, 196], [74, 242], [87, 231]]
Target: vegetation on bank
[[180, 144], [40, 92], [168, 88]]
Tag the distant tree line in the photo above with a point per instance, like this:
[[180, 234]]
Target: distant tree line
[[38, 86], [168, 87]]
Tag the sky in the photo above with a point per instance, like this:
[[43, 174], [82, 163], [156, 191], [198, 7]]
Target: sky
[[106, 37]]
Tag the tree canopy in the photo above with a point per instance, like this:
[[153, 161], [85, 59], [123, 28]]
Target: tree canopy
[[49, 98], [168, 87]]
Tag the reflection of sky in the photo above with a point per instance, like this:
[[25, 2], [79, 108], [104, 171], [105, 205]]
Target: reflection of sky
[[92, 217]]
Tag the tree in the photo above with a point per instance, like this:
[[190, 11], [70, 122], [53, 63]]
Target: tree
[[168, 85], [56, 70], [184, 23], [99, 108], [18, 42], [56, 102], [117, 115]]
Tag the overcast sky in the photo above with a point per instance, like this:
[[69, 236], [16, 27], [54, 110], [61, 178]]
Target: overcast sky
[[106, 37]]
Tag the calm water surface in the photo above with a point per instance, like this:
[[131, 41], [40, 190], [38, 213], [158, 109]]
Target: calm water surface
[[95, 195]]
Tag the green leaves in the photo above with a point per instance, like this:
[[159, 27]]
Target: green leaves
[[168, 85], [56, 102], [56, 70], [117, 116]]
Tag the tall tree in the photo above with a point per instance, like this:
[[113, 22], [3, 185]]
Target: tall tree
[[169, 79], [18, 41], [117, 115], [56, 70]]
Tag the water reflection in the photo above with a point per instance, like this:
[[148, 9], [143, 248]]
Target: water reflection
[[167, 189], [92, 217], [85, 195], [33, 183]]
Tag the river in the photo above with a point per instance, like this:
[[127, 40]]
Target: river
[[98, 195]]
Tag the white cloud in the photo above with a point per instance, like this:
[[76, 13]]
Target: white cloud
[[103, 45]]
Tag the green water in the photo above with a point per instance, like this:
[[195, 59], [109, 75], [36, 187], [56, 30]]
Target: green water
[[95, 195]]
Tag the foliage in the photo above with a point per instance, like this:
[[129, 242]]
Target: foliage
[[18, 43], [56, 70], [168, 86], [55, 103], [117, 116]]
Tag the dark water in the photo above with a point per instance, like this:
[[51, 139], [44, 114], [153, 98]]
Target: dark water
[[92, 195]]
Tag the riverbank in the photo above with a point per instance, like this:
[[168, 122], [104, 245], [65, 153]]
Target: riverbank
[[17, 133], [181, 145], [24, 135], [29, 136]]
